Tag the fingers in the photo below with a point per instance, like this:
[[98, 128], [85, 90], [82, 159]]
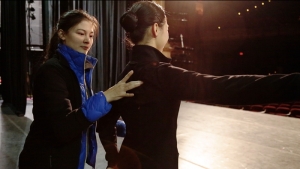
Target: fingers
[[120, 89], [129, 86], [133, 84], [127, 76], [128, 95]]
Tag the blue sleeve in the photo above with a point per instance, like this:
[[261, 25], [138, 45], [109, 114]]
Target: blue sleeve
[[96, 107]]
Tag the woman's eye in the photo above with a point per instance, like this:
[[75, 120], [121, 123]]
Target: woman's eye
[[80, 33]]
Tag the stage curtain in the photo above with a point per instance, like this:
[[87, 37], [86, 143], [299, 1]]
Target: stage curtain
[[13, 55], [109, 47]]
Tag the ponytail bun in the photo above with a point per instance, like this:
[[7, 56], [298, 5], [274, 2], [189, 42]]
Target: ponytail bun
[[129, 21]]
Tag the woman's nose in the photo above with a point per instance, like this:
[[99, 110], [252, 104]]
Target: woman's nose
[[87, 39]]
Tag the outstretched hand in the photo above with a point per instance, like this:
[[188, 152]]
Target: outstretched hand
[[120, 89]]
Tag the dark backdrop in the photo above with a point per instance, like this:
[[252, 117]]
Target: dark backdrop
[[13, 55]]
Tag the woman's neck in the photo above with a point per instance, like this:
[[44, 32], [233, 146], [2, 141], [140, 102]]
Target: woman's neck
[[149, 43]]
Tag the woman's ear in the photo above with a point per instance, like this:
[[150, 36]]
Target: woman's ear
[[61, 34], [155, 30]]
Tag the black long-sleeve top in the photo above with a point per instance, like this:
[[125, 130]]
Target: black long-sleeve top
[[151, 115]]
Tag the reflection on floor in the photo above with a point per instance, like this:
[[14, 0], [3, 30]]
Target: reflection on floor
[[209, 137]]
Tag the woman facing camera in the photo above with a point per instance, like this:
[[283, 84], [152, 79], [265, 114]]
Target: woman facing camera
[[151, 116], [65, 108]]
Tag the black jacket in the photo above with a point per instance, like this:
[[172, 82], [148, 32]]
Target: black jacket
[[54, 140], [151, 115]]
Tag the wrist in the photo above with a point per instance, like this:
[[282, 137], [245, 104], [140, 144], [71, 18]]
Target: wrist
[[107, 96]]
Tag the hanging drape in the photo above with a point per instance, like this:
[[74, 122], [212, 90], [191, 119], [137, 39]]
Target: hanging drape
[[109, 48], [13, 55], [47, 20]]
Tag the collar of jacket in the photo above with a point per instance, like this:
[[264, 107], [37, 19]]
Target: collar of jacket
[[76, 59], [146, 53]]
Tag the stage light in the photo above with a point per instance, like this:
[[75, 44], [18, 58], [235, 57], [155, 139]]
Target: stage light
[[262, 3], [247, 10], [32, 16], [239, 13], [241, 53], [255, 6], [219, 27]]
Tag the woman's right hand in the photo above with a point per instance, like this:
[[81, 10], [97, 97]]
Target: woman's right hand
[[120, 89]]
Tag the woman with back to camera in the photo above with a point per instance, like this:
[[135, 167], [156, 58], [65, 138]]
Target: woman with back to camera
[[65, 109], [151, 116]]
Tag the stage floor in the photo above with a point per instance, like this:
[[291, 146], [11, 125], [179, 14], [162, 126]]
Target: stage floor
[[209, 137], [214, 137]]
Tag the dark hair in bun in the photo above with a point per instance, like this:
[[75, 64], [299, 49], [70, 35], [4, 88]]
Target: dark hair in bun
[[129, 20], [139, 17]]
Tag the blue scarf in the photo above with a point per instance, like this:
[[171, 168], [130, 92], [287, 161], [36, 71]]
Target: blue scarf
[[76, 61]]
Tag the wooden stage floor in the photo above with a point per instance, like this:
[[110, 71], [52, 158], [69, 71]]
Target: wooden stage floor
[[209, 137]]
